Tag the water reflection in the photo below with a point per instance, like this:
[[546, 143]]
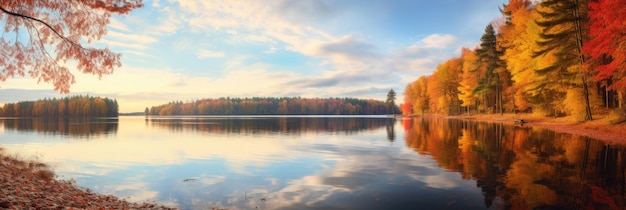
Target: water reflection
[[522, 167], [271, 125], [78, 127], [329, 163]]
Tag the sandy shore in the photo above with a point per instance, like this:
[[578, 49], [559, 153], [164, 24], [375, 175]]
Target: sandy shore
[[32, 185]]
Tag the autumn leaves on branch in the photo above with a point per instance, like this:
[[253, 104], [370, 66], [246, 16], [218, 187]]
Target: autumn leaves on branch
[[64, 26]]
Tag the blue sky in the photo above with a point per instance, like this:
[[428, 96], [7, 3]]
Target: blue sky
[[187, 49]]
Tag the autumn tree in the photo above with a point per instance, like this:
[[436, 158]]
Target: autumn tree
[[606, 48], [270, 106], [422, 100], [562, 36], [40, 37], [540, 60], [490, 85], [74, 106], [391, 101], [442, 88], [409, 99], [451, 79], [416, 95], [518, 39], [469, 79]]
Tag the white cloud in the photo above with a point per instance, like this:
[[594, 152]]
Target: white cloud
[[258, 38], [427, 45], [439, 40], [210, 54], [123, 44], [155, 3], [253, 21], [271, 50], [134, 38], [116, 24], [169, 21]]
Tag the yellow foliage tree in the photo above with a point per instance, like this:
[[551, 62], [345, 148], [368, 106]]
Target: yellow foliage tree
[[469, 79]]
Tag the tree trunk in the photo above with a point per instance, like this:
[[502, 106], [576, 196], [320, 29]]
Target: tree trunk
[[586, 92], [500, 100], [579, 40], [620, 100], [606, 97]]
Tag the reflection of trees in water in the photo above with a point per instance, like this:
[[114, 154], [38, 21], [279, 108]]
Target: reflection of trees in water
[[81, 127], [257, 125], [391, 132], [525, 167]]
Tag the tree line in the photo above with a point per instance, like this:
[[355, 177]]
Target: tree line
[[272, 106], [74, 106], [551, 57]]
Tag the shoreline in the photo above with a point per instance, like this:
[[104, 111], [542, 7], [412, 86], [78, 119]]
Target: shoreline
[[29, 184], [600, 129]]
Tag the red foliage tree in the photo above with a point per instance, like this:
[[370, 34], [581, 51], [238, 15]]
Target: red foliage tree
[[32, 27], [607, 47]]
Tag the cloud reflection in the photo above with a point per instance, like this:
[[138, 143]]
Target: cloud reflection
[[336, 166]]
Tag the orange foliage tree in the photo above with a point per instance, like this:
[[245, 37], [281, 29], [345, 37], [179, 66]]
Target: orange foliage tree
[[517, 38], [416, 96], [272, 106], [539, 61], [75, 106], [31, 27]]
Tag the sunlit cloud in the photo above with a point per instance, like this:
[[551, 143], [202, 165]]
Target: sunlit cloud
[[155, 3], [116, 24], [168, 22], [255, 38], [210, 54], [271, 50], [439, 40], [349, 50], [431, 44], [127, 45], [134, 38]]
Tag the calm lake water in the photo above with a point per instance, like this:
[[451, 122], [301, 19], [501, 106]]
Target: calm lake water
[[325, 162]]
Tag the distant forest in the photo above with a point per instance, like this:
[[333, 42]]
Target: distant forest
[[74, 106], [271, 106]]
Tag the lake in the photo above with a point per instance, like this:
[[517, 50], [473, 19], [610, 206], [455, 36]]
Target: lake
[[325, 162]]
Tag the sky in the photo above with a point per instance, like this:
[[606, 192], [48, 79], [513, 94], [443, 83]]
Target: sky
[[183, 50]]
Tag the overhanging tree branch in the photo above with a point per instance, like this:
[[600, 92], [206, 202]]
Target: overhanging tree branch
[[40, 21], [60, 26]]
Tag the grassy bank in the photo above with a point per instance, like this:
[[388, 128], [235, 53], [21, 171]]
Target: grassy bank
[[29, 184]]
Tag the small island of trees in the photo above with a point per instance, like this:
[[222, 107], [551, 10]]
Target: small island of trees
[[74, 106], [274, 106]]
